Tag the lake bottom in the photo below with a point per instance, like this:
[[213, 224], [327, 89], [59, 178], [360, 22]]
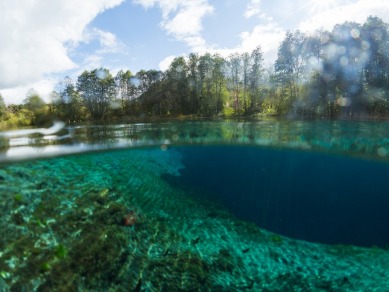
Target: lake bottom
[[166, 220]]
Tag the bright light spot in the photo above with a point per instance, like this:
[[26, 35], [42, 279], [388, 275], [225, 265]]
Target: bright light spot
[[355, 33], [343, 101]]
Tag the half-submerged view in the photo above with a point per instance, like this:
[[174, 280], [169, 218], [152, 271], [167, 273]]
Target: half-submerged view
[[252, 153]]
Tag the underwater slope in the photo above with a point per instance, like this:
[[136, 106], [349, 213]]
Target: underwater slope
[[314, 196]]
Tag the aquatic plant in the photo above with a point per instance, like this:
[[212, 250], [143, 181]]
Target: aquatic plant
[[60, 251]]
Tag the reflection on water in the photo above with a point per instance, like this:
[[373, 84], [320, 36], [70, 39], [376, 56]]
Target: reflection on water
[[367, 139]]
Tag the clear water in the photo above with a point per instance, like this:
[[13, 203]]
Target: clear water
[[196, 206]]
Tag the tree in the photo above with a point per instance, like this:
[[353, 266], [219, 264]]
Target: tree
[[97, 90], [376, 34], [177, 87], [149, 91], [194, 82], [219, 81], [67, 101], [235, 80], [290, 61], [3, 108], [37, 107], [255, 75], [124, 89], [246, 64]]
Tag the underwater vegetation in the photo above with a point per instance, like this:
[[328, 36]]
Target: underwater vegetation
[[108, 221]]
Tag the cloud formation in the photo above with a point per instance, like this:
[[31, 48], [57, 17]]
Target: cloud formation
[[182, 19], [357, 11], [253, 8], [36, 36]]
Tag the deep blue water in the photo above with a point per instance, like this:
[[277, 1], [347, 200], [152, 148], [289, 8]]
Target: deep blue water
[[305, 195]]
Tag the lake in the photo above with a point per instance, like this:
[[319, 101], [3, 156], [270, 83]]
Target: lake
[[196, 206]]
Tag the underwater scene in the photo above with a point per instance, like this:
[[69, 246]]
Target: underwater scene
[[196, 206]]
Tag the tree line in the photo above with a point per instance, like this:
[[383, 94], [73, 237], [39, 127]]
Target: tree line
[[339, 73]]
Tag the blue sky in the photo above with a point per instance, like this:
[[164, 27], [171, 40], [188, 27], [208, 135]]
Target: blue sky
[[45, 40]]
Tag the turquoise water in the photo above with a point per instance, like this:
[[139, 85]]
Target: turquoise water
[[196, 206]]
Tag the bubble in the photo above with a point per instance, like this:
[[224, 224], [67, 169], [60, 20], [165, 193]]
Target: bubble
[[67, 99], [163, 147], [192, 82], [331, 51], [325, 38], [115, 104], [382, 151], [343, 61], [354, 52], [377, 34], [134, 81], [101, 74], [365, 45], [343, 101], [341, 50], [355, 33], [315, 64]]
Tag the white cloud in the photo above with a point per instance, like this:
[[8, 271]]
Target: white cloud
[[182, 19], [91, 62], [108, 41], [17, 94], [268, 36], [253, 8], [357, 11], [36, 36], [165, 63]]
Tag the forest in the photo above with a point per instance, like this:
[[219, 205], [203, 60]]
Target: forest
[[343, 73]]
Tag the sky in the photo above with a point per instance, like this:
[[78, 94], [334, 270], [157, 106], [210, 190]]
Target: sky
[[42, 41]]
